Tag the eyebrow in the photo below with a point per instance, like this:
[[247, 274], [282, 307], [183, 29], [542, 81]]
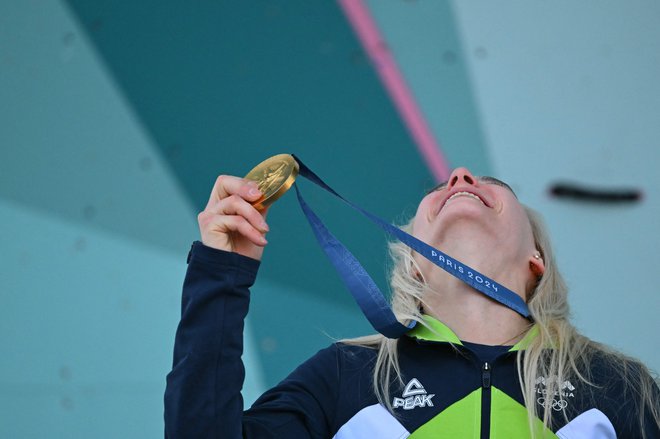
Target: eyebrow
[[485, 179]]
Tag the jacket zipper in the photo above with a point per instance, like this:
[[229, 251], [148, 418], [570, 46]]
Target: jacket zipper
[[485, 400]]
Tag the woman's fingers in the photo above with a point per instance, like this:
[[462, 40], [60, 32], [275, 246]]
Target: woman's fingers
[[235, 224], [235, 205], [229, 222], [227, 185]]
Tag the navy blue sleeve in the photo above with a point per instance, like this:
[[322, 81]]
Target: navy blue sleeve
[[203, 395]]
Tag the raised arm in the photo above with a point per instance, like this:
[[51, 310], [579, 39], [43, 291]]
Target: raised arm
[[203, 395]]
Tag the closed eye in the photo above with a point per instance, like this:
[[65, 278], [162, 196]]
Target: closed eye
[[437, 188], [492, 180]]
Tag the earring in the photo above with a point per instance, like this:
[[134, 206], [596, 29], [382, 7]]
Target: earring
[[537, 255]]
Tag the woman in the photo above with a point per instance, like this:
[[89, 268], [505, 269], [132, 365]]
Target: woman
[[470, 368]]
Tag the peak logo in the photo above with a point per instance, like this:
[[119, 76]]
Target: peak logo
[[414, 395]]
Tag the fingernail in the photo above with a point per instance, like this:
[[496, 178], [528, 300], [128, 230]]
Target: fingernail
[[264, 226], [264, 240], [254, 192]]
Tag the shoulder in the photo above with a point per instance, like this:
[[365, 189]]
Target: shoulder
[[340, 358], [614, 370], [626, 391], [354, 352]]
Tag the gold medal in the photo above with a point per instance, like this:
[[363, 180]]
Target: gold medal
[[274, 176]]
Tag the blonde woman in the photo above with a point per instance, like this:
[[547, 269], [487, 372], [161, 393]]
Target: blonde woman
[[471, 368]]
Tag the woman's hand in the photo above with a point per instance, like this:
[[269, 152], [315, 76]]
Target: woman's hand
[[229, 222]]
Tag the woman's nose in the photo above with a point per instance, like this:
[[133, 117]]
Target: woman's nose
[[461, 176]]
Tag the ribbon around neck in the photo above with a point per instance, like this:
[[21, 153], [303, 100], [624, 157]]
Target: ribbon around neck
[[362, 287]]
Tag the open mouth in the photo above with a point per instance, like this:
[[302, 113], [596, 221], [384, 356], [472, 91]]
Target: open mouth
[[464, 194]]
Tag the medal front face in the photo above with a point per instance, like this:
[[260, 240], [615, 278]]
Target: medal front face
[[274, 176]]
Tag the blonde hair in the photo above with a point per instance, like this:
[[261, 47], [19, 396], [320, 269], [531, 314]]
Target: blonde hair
[[570, 356]]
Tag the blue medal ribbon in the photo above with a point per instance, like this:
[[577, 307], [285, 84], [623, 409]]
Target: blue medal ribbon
[[363, 288]]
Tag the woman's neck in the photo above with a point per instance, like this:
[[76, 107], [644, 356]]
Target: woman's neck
[[471, 315]]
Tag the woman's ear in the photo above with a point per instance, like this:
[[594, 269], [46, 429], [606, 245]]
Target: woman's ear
[[536, 264]]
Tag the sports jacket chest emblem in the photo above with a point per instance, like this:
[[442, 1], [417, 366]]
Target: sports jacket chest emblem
[[414, 395]]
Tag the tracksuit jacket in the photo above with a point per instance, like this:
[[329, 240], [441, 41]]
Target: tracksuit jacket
[[450, 389]]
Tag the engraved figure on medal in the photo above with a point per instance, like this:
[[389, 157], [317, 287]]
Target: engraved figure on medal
[[274, 176]]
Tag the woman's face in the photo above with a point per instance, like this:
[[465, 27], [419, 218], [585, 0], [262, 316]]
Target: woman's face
[[482, 207]]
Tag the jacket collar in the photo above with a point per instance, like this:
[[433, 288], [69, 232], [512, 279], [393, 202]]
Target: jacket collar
[[432, 329]]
